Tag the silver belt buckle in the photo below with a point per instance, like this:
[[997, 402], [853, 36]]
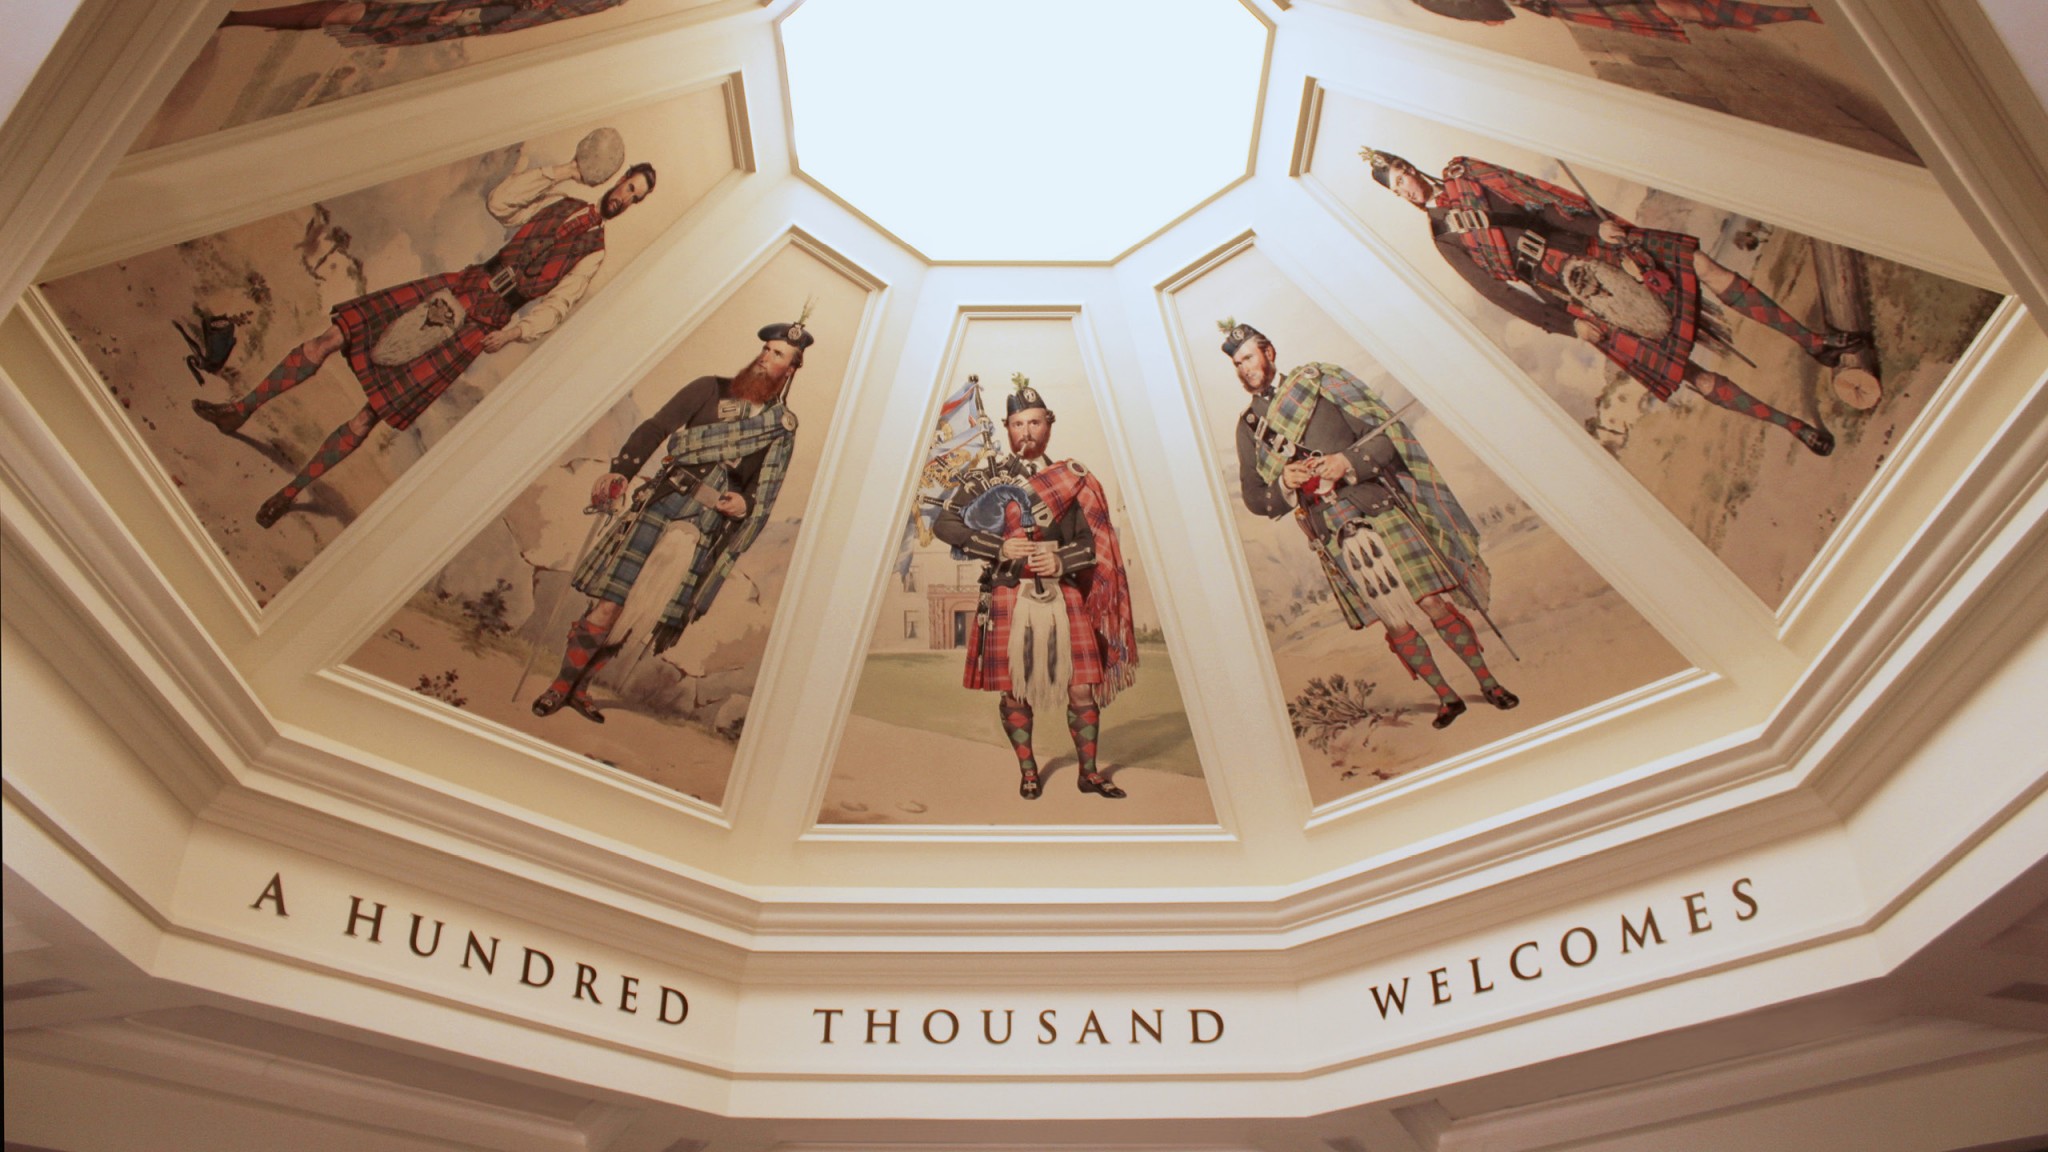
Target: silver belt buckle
[[503, 281]]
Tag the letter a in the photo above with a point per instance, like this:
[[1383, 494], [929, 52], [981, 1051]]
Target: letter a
[[273, 892]]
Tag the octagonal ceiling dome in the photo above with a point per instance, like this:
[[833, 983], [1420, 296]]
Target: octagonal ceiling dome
[[986, 133]]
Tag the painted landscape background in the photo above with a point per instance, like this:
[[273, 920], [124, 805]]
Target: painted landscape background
[[1764, 504], [485, 635], [281, 275], [1580, 641], [921, 749]]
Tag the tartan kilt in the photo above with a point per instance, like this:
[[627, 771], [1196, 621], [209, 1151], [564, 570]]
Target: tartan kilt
[[1420, 570], [988, 649], [1659, 365], [609, 571], [398, 393]]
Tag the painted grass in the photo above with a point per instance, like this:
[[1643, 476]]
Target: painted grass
[[1146, 727]]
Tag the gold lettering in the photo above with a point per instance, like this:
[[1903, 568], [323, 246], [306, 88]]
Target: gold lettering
[[1640, 936], [988, 1019], [1515, 962], [828, 1014], [1095, 1026], [417, 920], [952, 1031], [1156, 1029], [1195, 1025]]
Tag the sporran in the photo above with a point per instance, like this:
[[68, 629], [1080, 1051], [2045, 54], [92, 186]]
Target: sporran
[[1617, 298], [422, 328]]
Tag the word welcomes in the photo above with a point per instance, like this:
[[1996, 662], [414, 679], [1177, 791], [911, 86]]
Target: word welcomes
[[535, 968], [943, 1026], [1575, 947]]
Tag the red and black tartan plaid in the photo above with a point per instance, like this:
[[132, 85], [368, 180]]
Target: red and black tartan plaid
[[1638, 17], [389, 24], [988, 649], [539, 254], [1659, 365]]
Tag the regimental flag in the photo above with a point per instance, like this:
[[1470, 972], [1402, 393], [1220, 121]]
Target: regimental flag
[[962, 440]]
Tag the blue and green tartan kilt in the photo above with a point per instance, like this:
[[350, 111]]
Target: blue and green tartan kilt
[[1420, 570], [609, 570]]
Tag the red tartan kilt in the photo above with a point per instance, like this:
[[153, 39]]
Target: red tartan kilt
[[1661, 365], [988, 664], [398, 393]]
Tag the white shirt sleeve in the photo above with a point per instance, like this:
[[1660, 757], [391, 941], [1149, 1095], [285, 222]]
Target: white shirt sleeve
[[518, 196], [544, 314]]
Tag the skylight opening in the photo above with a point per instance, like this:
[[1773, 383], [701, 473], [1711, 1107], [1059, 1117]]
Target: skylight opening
[[1037, 130]]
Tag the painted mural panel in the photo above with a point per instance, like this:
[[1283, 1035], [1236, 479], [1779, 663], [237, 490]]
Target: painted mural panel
[[1772, 63], [620, 607], [1753, 378], [268, 59], [285, 372], [1415, 606], [1017, 673]]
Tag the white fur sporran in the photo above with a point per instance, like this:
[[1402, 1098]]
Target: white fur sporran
[[1040, 663], [424, 327], [1370, 565], [1617, 298]]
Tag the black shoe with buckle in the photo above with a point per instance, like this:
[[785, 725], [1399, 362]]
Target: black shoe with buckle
[[1448, 711], [1501, 698], [1099, 784], [273, 510], [1817, 439], [1029, 786], [585, 707]]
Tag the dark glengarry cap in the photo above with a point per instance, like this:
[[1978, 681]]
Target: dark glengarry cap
[[1383, 164], [793, 333], [1235, 335], [1024, 399]]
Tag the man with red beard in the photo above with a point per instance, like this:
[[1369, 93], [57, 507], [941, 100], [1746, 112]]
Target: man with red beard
[[408, 344], [729, 444], [1054, 626]]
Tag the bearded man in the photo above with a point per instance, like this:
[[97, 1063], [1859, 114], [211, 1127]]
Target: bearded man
[[1657, 19], [1054, 624], [729, 443], [1392, 539], [407, 344], [384, 23], [1551, 258]]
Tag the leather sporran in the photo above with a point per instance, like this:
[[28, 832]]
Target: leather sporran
[[422, 328], [1618, 299]]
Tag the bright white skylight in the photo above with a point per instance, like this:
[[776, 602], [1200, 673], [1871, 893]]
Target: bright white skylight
[[1027, 130]]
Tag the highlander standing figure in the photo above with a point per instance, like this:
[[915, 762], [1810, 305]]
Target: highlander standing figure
[[1657, 19], [385, 23], [408, 344], [1551, 257], [1054, 627], [729, 443], [1392, 539]]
